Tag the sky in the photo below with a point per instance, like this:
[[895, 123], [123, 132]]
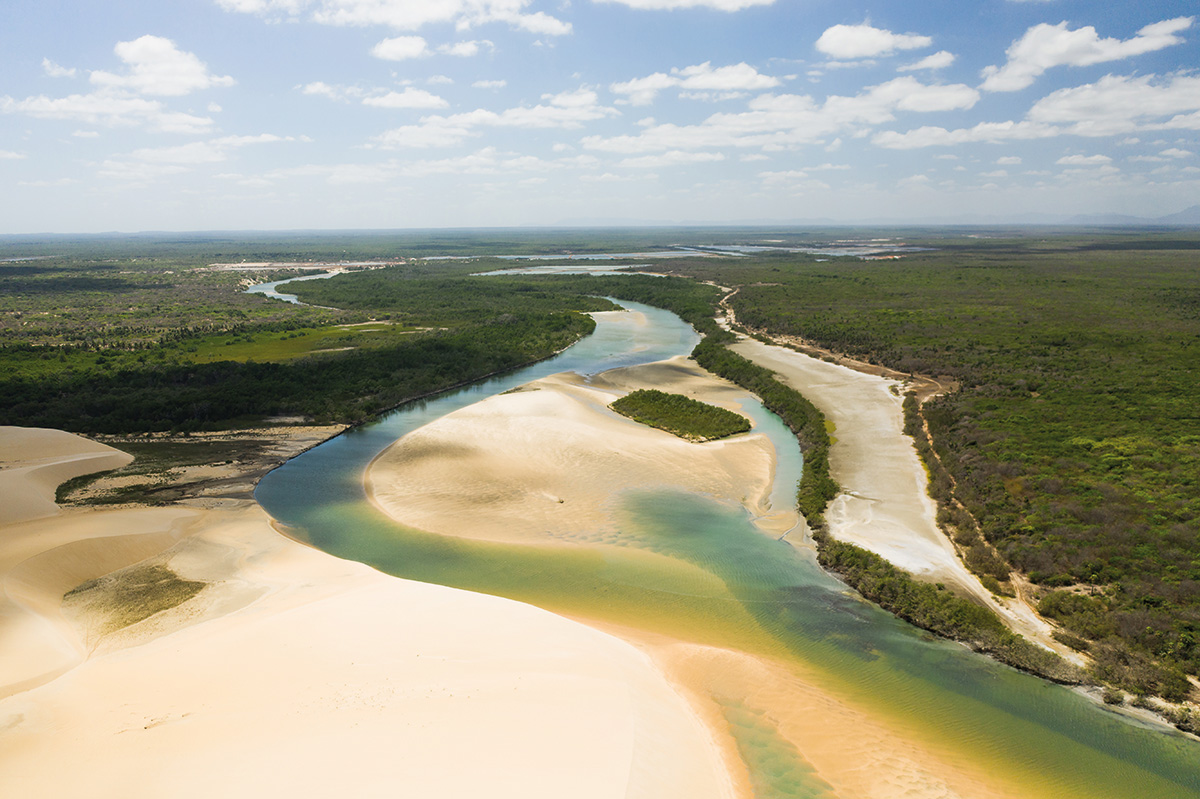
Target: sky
[[138, 115]]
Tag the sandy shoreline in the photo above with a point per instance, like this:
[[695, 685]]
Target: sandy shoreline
[[289, 670]]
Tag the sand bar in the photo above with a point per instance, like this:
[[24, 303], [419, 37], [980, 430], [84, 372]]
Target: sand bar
[[550, 461], [284, 671]]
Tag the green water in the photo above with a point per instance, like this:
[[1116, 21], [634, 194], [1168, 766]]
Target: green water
[[699, 570]]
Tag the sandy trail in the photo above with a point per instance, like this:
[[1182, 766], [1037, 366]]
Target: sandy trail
[[271, 668]]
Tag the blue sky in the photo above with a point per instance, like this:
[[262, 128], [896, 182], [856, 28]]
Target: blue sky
[[287, 114]]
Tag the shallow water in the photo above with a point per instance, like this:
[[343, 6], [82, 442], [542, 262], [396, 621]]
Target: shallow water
[[698, 570]]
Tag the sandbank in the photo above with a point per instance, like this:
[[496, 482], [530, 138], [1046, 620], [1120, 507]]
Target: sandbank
[[549, 462], [277, 669]]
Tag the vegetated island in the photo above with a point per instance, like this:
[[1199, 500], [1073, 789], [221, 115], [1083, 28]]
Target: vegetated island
[[682, 416]]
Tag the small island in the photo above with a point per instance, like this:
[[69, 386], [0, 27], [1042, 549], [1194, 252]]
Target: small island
[[681, 416]]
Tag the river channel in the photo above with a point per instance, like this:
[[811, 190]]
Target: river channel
[[699, 572]]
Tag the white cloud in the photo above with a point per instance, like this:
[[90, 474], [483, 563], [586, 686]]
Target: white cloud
[[696, 82], [1175, 152], [405, 14], [566, 110], [489, 84], [322, 89], [440, 80], [789, 120], [1083, 160], [86, 134], [150, 163], [931, 136], [939, 60], [1114, 105], [1045, 46], [466, 49], [914, 182], [400, 48], [55, 71], [671, 158], [995, 173], [864, 41], [158, 67], [1008, 160], [642, 91], [108, 108], [671, 5], [409, 98], [9, 155]]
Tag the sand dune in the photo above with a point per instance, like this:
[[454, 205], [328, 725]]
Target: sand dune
[[34, 461], [268, 668]]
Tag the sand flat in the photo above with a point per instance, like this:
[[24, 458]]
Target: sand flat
[[549, 461], [293, 672]]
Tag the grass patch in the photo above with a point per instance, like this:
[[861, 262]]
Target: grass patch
[[131, 595], [681, 416]]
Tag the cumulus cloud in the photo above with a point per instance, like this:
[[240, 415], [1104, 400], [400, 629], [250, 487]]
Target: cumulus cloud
[[1045, 46], [1118, 105], [939, 60], [9, 155], [157, 67], [489, 84], [400, 48], [566, 110], [107, 108], [1113, 105], [1009, 160], [1083, 160], [55, 71], [405, 14], [864, 41], [1175, 152], [671, 158], [698, 82], [409, 98], [789, 120]]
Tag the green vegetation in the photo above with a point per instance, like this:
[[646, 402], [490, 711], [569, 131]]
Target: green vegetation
[[1071, 451], [933, 607], [128, 596], [679, 415]]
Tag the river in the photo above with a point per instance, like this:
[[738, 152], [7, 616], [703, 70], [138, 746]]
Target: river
[[699, 572]]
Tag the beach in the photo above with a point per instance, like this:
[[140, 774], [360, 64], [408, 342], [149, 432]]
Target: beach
[[193, 651]]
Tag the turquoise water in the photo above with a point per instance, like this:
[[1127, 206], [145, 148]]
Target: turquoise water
[[699, 570]]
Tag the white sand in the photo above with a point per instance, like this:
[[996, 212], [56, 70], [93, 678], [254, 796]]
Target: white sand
[[34, 461], [551, 461], [884, 505], [295, 673]]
